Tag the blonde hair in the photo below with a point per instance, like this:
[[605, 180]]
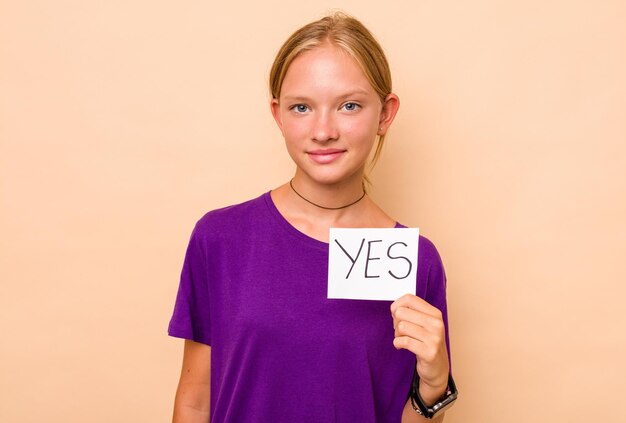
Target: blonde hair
[[350, 35]]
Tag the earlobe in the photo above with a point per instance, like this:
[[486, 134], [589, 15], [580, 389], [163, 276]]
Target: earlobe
[[388, 113]]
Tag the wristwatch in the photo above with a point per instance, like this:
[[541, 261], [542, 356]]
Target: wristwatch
[[446, 401]]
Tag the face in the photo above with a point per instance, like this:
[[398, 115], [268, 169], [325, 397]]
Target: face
[[330, 115]]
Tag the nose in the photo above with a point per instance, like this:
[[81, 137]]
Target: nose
[[325, 128]]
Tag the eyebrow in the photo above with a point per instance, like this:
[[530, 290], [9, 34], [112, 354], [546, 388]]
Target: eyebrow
[[342, 96]]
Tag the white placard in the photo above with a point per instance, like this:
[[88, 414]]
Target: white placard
[[372, 263]]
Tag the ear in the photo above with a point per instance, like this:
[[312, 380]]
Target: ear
[[388, 113], [275, 108]]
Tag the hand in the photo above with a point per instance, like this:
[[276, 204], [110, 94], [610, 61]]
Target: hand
[[419, 328]]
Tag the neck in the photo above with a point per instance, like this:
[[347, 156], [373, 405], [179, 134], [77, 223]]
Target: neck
[[315, 221], [326, 207], [327, 197]]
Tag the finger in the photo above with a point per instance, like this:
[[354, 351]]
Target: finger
[[427, 354], [432, 364], [430, 323], [410, 344], [415, 303], [395, 322], [419, 333]]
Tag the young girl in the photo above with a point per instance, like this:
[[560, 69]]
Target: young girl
[[263, 341]]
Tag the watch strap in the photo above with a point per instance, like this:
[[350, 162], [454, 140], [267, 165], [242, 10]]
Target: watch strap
[[440, 406]]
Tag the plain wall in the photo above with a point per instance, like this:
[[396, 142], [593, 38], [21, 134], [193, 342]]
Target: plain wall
[[122, 122]]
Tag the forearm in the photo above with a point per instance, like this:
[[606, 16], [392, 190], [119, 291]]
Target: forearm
[[192, 403], [185, 414]]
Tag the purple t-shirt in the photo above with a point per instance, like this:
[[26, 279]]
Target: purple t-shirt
[[255, 289]]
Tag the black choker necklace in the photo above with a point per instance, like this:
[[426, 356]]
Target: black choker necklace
[[322, 207]]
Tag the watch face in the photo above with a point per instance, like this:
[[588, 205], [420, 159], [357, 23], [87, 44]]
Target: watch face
[[442, 406], [437, 409]]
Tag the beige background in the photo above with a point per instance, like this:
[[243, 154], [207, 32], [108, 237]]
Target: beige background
[[122, 122]]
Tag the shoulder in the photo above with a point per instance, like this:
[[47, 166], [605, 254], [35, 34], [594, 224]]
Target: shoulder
[[430, 263], [230, 219], [431, 274], [234, 213], [428, 251]]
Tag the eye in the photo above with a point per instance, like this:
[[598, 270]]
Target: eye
[[351, 106], [299, 108]]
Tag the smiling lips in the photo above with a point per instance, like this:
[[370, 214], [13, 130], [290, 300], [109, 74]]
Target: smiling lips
[[325, 156]]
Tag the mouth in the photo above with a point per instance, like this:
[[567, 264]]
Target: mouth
[[325, 156]]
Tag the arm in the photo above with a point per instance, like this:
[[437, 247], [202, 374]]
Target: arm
[[419, 328], [193, 396]]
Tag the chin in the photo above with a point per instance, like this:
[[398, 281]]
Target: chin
[[333, 177]]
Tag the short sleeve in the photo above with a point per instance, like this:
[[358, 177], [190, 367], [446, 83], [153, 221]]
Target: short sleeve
[[437, 284], [191, 318]]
